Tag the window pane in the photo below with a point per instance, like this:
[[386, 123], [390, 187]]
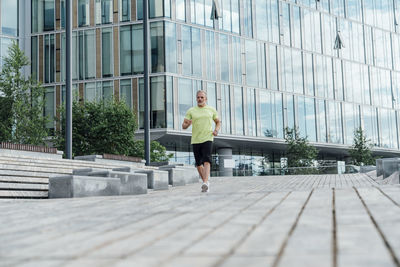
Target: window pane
[[226, 15], [251, 112], [48, 15], [273, 68], [321, 121], [125, 50], [35, 58], [9, 17], [225, 109], [157, 46], [185, 96], [125, 92], [170, 46], [196, 52], [108, 91], [186, 50], [137, 42], [251, 63], [158, 102], [156, 8], [211, 95], [90, 54], [49, 109], [210, 54], [237, 60], [83, 12], [224, 57], [125, 10], [107, 52], [170, 103], [238, 96], [180, 10], [247, 18], [49, 58], [90, 92]]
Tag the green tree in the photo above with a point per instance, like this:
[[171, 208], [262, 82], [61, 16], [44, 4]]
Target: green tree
[[21, 102], [299, 152], [105, 127], [99, 127], [157, 151], [360, 151]]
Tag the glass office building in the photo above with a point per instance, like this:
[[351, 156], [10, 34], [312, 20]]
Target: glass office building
[[265, 64]]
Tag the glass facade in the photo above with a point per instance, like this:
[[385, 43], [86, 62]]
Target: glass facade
[[265, 64]]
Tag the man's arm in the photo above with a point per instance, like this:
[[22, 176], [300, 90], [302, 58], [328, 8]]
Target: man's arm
[[217, 126], [186, 123]]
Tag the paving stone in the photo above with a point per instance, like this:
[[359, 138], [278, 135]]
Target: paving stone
[[242, 221]]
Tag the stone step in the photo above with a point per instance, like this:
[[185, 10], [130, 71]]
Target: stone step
[[28, 173], [66, 165], [61, 163], [23, 186], [68, 162], [23, 194], [21, 179], [17, 167]]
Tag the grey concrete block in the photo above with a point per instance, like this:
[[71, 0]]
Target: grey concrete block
[[85, 171], [156, 179], [190, 176], [176, 176], [379, 170], [389, 166], [83, 186], [367, 168], [131, 183], [122, 169]]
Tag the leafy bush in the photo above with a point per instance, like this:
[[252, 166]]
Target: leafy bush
[[21, 102], [105, 127]]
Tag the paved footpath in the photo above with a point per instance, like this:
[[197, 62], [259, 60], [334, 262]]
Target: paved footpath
[[326, 220]]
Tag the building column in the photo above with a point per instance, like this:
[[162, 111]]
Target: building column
[[225, 161]]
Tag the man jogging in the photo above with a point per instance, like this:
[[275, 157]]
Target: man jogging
[[201, 118]]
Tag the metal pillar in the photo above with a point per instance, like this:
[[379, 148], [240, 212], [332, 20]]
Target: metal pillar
[[146, 83], [68, 78]]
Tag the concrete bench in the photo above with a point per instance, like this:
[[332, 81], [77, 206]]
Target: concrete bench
[[131, 183], [176, 176], [189, 175], [156, 179], [387, 166], [83, 186]]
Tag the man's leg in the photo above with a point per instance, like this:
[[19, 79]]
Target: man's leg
[[206, 171], [200, 169]]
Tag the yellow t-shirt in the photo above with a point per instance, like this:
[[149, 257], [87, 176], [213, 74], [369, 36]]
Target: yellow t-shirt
[[202, 123]]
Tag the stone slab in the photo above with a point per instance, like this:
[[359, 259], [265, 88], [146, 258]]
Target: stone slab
[[16, 153], [131, 183], [156, 179], [71, 186], [379, 171], [389, 166], [191, 174], [367, 168], [100, 159], [176, 176]]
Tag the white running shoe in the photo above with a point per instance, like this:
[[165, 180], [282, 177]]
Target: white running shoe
[[205, 187]]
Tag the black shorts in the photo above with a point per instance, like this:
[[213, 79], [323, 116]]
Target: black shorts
[[202, 152]]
